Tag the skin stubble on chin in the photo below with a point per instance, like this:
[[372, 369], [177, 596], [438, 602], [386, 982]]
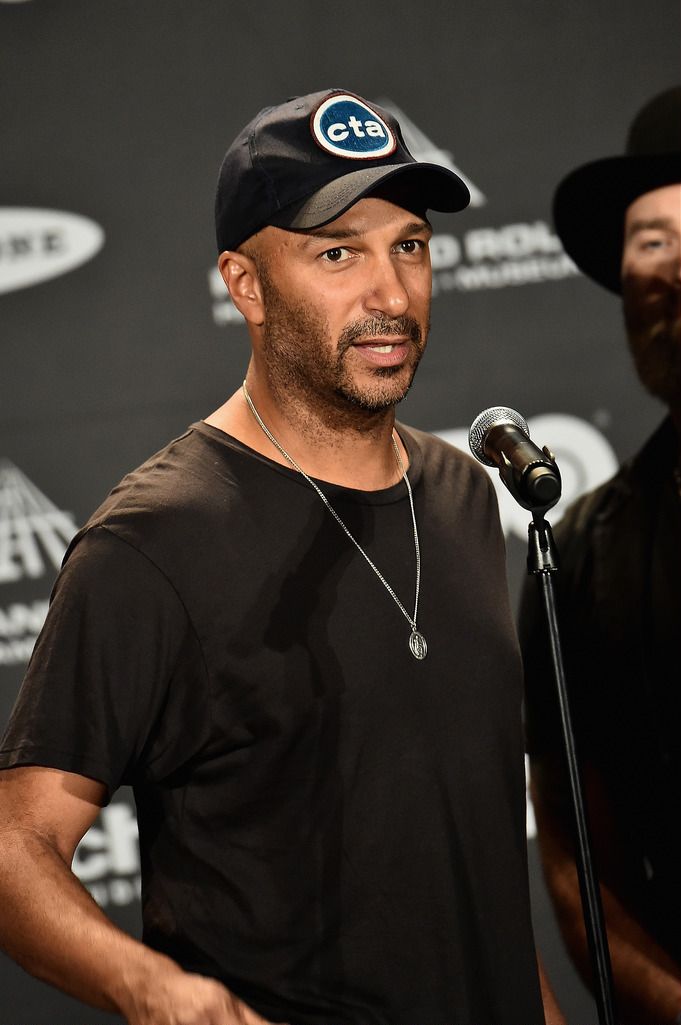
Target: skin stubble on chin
[[301, 357]]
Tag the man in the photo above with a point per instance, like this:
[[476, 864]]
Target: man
[[619, 596], [286, 632]]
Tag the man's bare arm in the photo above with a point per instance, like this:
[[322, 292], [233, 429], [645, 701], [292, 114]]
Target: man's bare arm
[[53, 928], [647, 980], [552, 1013]]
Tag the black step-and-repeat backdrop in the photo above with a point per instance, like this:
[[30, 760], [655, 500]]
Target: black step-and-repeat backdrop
[[115, 327]]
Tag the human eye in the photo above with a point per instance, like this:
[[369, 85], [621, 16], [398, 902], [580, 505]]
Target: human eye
[[339, 254], [411, 246], [650, 241]]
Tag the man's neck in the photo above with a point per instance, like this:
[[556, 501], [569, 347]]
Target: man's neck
[[354, 452]]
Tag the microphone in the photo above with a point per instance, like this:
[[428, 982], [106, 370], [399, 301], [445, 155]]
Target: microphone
[[500, 437]]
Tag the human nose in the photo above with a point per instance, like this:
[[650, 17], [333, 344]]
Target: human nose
[[668, 272], [669, 262], [669, 267], [387, 294]]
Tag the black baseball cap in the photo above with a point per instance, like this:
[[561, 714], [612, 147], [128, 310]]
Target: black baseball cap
[[303, 163], [590, 203]]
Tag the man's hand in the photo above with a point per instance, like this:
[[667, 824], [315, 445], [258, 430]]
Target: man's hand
[[647, 981], [51, 925], [181, 998], [552, 1013]]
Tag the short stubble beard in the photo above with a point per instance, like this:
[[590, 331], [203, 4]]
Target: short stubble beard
[[301, 362]]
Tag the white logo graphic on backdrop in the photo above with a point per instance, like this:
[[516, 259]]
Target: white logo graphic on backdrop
[[584, 456], [492, 258], [530, 819], [36, 245], [107, 859], [224, 310], [485, 258], [34, 535], [422, 148]]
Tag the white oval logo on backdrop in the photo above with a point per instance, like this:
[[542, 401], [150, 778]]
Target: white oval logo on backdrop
[[36, 245], [584, 456]]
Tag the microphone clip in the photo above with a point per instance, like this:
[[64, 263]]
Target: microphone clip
[[536, 485]]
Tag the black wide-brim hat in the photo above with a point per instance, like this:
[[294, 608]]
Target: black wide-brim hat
[[590, 203]]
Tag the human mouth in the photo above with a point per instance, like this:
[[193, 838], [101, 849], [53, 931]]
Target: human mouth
[[383, 353]]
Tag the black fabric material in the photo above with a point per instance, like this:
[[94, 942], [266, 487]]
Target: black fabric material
[[330, 827], [618, 595]]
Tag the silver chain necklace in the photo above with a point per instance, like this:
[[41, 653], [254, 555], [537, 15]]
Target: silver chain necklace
[[417, 642]]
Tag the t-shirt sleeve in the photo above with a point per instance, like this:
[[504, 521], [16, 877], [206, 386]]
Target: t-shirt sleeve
[[102, 666]]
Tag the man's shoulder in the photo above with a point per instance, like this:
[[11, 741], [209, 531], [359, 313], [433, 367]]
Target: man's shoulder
[[169, 479], [580, 515], [174, 492], [436, 450], [630, 481], [449, 469]]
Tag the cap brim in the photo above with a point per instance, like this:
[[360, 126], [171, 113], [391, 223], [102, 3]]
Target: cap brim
[[432, 186], [590, 204]]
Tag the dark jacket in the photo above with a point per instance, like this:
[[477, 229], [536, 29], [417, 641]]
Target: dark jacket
[[618, 595]]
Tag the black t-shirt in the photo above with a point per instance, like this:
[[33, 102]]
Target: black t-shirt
[[329, 826]]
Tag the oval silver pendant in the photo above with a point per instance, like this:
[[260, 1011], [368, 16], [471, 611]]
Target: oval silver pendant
[[417, 645]]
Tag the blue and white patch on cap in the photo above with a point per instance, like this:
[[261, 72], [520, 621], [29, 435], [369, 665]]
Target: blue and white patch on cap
[[347, 127]]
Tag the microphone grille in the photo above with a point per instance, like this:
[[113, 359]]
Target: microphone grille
[[483, 424]]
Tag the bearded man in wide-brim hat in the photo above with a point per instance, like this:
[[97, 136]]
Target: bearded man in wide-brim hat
[[619, 596]]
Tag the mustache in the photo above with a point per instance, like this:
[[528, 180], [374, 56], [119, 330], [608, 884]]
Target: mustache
[[641, 310], [380, 326]]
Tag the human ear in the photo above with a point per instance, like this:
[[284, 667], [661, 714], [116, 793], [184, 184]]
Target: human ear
[[240, 275]]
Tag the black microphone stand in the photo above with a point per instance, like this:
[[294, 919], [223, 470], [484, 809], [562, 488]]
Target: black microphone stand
[[542, 562]]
